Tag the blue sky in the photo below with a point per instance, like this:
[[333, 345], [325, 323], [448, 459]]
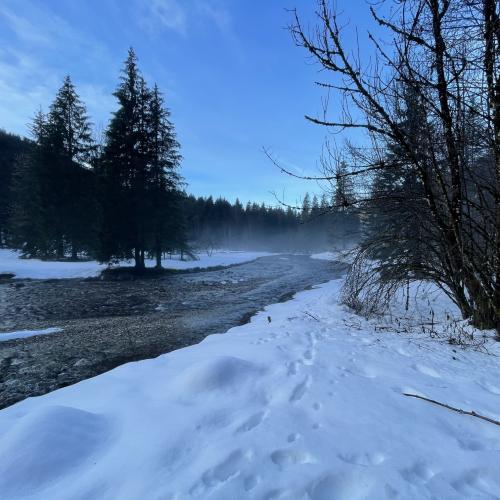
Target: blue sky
[[230, 72]]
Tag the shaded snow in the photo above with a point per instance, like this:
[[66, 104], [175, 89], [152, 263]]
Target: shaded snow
[[296, 408], [337, 255], [22, 334], [38, 269]]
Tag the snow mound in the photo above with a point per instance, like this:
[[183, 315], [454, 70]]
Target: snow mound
[[300, 408], [222, 373], [48, 443]]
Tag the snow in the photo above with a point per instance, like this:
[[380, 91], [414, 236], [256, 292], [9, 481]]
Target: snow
[[22, 334], [306, 406], [38, 269], [338, 255]]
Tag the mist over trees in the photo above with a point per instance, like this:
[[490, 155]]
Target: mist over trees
[[312, 226], [428, 178]]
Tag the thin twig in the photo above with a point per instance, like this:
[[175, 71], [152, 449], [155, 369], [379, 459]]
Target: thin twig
[[312, 316], [458, 410]]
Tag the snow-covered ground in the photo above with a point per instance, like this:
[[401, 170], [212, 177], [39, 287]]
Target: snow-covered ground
[[336, 255], [23, 334], [38, 269], [305, 403]]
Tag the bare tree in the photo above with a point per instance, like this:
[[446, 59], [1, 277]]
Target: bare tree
[[447, 54]]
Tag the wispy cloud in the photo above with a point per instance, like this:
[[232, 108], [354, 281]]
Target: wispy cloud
[[216, 13], [34, 56], [184, 16], [167, 13], [22, 27]]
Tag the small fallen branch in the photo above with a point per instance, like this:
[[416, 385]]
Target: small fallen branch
[[312, 316], [458, 410]]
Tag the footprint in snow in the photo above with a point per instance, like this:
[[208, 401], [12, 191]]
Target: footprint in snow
[[225, 471], [293, 368], [417, 473], [285, 458], [251, 482], [308, 357], [364, 459], [300, 390], [255, 420]]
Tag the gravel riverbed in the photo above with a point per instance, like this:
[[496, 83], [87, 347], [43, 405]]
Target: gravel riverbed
[[108, 323]]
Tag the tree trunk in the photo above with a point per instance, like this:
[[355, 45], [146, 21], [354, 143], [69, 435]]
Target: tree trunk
[[492, 39], [60, 249], [158, 252], [139, 260]]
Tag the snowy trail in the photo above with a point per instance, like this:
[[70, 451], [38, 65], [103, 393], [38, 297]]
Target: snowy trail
[[294, 408]]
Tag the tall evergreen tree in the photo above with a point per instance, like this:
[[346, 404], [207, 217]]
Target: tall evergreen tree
[[69, 143], [30, 214], [122, 171], [398, 194], [52, 185], [164, 157], [138, 174], [344, 218]]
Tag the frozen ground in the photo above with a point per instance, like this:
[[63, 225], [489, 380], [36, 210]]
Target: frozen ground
[[305, 403], [38, 269]]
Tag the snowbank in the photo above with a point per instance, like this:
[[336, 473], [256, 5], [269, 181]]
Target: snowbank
[[337, 255], [38, 269], [22, 334], [305, 403]]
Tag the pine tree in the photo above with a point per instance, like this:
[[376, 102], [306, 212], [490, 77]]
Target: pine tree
[[30, 213], [69, 144], [306, 207], [122, 171], [344, 218], [168, 227], [138, 175], [398, 193]]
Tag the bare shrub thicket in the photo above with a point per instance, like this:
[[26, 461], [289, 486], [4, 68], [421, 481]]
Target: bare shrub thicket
[[428, 183]]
